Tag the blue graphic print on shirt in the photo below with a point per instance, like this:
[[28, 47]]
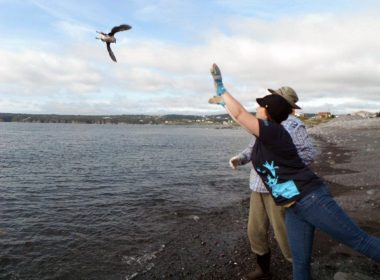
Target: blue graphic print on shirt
[[286, 189]]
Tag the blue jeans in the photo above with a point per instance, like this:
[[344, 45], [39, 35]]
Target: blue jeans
[[319, 210]]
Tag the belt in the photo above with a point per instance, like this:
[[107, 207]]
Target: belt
[[289, 204]]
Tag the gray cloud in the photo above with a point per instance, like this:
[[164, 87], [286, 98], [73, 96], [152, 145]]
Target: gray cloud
[[332, 62], [40, 73]]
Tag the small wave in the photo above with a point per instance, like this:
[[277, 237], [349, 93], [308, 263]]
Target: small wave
[[193, 217], [141, 263]]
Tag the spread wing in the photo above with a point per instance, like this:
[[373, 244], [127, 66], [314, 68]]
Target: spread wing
[[122, 27], [110, 52]]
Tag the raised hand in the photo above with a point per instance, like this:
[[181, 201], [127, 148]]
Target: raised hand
[[217, 77]]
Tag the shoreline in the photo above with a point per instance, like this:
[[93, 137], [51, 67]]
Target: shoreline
[[348, 165], [216, 246]]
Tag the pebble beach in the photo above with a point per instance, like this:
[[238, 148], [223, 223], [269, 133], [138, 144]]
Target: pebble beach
[[215, 246]]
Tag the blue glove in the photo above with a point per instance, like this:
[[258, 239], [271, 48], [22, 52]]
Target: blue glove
[[218, 83]]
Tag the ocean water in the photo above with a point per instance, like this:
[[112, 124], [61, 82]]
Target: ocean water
[[91, 201]]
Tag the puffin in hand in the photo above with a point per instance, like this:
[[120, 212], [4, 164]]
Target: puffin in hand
[[110, 37]]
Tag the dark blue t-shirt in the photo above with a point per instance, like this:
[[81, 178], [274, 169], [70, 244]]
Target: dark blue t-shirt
[[275, 158]]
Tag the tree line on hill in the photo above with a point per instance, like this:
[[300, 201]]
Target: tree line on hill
[[124, 119], [113, 119]]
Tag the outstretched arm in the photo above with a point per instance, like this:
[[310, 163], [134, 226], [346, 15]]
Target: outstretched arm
[[243, 157], [233, 107], [244, 118]]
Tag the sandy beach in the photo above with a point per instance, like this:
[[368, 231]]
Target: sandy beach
[[216, 246]]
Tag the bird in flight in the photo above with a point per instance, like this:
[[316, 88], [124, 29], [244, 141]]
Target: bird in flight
[[110, 37]]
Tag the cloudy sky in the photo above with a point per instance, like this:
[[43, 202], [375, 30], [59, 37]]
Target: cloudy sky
[[328, 51]]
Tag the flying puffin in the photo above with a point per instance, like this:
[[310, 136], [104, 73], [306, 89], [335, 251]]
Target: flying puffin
[[110, 37]]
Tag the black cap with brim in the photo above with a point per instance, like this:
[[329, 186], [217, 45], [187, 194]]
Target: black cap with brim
[[261, 102], [277, 107]]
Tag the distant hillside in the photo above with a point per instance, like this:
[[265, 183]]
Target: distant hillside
[[115, 119], [219, 119]]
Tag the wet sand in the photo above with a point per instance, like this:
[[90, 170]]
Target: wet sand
[[216, 245]]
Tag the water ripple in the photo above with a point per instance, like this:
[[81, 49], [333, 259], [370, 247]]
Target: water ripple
[[89, 201]]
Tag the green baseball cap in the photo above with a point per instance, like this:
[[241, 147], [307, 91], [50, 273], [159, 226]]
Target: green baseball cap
[[288, 94]]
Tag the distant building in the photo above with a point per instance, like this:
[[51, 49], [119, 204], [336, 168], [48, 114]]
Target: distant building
[[324, 115]]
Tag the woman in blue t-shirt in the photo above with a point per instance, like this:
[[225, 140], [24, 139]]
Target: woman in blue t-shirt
[[292, 184]]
